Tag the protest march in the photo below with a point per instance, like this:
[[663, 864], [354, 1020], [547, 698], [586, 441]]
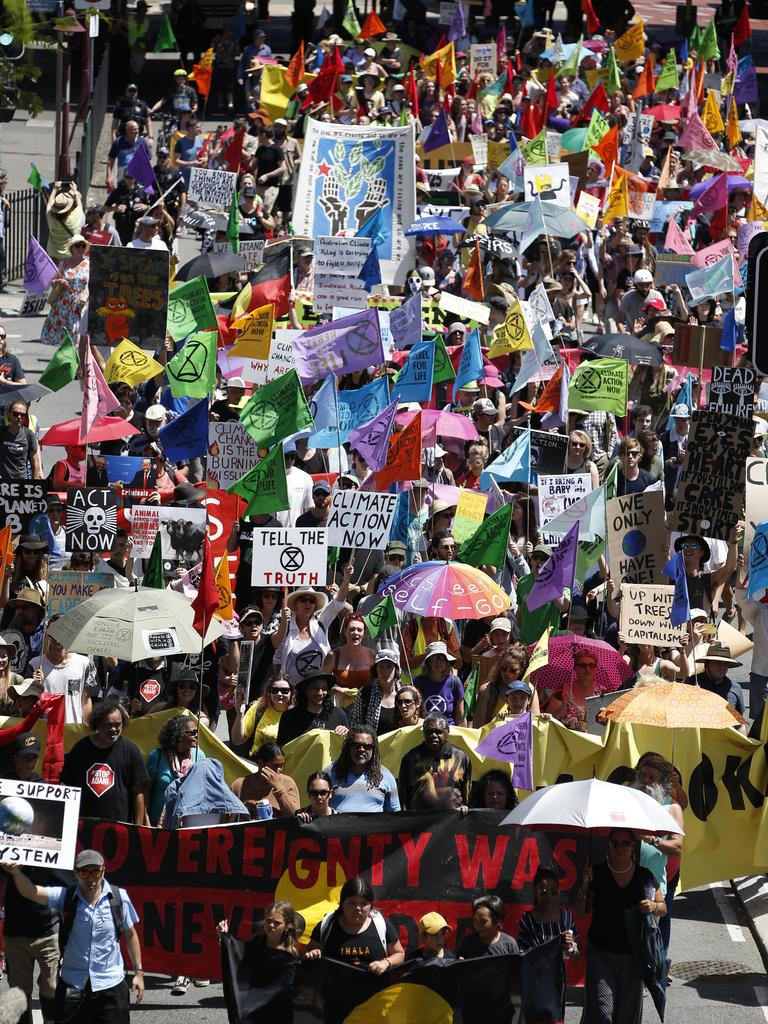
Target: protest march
[[384, 529]]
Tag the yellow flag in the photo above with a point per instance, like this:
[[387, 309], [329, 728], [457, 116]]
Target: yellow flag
[[756, 210], [618, 200], [631, 45], [726, 84], [276, 91], [255, 339], [513, 335], [224, 588], [440, 66], [206, 60], [539, 655], [130, 364], [712, 118], [733, 134]]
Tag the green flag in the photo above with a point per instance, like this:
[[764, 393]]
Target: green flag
[[190, 309], [166, 40], [470, 688], [382, 617], [35, 179], [153, 571], [668, 76], [233, 224], [276, 410], [695, 39], [192, 371], [495, 88], [535, 151], [442, 370], [488, 544], [571, 66], [600, 385], [264, 487], [63, 366], [598, 127], [350, 22], [614, 78], [709, 48]]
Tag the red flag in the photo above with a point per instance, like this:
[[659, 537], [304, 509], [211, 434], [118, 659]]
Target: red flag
[[233, 154], [412, 94], [593, 22], [551, 97], [742, 30], [473, 279], [201, 76], [646, 81], [206, 600], [510, 76], [529, 122], [323, 86], [372, 26], [597, 100], [404, 456], [52, 706], [295, 70]]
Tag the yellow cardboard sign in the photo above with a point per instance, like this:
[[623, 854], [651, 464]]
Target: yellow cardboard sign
[[470, 510]]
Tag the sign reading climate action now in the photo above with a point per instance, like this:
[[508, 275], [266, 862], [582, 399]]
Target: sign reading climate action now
[[290, 558], [361, 519]]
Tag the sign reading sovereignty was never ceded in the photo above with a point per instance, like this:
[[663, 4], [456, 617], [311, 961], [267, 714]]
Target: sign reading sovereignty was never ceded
[[128, 295]]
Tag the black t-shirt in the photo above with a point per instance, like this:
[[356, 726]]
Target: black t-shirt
[[147, 685], [471, 946], [16, 450], [296, 721], [309, 519], [609, 901], [356, 949], [10, 367], [268, 159], [131, 110], [106, 777], [624, 486]]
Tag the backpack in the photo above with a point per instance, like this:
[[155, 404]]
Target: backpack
[[70, 908], [377, 919]]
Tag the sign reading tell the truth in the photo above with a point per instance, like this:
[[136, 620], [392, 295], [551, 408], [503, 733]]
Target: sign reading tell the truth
[[290, 558]]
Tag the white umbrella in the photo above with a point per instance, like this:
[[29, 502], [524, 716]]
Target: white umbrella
[[132, 624], [592, 806]]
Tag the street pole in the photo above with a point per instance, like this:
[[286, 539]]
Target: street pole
[[59, 88]]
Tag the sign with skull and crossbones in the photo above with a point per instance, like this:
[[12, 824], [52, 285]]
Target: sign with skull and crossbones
[[91, 519]]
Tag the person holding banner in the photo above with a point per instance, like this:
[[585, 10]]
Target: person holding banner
[[69, 294]]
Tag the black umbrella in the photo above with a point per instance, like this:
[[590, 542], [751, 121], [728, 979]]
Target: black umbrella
[[22, 392], [221, 220], [210, 264], [625, 346], [199, 221]]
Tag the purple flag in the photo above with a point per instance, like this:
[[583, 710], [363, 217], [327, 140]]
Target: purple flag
[[140, 168], [513, 742], [438, 133], [372, 439], [556, 575], [352, 343], [458, 27], [745, 90], [39, 269]]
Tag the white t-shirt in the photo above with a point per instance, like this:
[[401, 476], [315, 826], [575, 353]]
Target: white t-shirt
[[69, 679], [156, 243], [299, 496]]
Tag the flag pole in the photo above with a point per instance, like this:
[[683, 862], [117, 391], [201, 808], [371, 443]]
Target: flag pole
[[402, 645], [338, 456]]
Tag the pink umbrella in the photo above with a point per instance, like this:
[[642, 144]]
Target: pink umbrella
[[611, 673], [108, 428], [449, 424]]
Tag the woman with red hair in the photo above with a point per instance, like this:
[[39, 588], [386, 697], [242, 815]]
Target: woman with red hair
[[352, 663]]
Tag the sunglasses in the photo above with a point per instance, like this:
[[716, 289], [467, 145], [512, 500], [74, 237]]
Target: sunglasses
[[17, 415], [89, 872], [577, 444], [306, 600], [690, 545], [279, 691], [620, 842], [633, 455], [192, 732], [319, 794], [362, 746]]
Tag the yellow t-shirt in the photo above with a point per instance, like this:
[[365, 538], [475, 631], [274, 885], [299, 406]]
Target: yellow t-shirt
[[265, 731]]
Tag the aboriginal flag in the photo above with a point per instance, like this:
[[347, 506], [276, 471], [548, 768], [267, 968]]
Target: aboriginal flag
[[257, 981], [269, 284]]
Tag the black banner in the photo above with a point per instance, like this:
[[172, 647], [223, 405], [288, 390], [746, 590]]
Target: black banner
[[182, 883], [91, 519], [127, 295], [23, 505]]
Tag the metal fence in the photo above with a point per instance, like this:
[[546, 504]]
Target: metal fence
[[26, 217], [85, 159]]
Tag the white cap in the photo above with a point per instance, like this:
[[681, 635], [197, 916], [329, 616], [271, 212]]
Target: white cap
[[155, 412], [235, 382], [369, 52], [643, 277], [680, 411], [456, 326], [280, 120]]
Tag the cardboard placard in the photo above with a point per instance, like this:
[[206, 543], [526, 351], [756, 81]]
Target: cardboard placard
[[211, 189], [696, 346], [556, 494], [548, 451], [482, 59], [231, 453], [340, 256], [465, 308], [23, 506], [127, 295], [66, 588], [360, 519], [635, 526], [38, 823], [732, 390], [756, 502], [470, 511], [260, 371], [644, 616], [296, 557], [550, 182]]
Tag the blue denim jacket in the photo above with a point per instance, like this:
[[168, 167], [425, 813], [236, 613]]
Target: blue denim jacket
[[201, 791]]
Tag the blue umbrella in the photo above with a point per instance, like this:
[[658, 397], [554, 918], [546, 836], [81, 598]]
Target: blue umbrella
[[733, 181], [435, 226], [567, 51]]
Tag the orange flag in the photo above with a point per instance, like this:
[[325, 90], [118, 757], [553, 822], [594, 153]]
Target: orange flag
[[224, 589], [6, 550], [608, 149], [549, 399], [201, 76], [404, 456], [295, 70], [372, 26], [473, 279], [646, 82]]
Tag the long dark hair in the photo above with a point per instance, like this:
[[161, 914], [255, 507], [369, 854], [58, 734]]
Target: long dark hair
[[343, 763], [356, 886], [494, 775], [319, 720]]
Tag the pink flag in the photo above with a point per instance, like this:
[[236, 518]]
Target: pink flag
[[713, 254], [695, 135], [98, 398], [714, 197], [691, 105], [501, 45], [676, 240], [732, 60]]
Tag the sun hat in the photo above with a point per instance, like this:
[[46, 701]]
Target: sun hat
[[318, 597], [436, 648], [719, 652]]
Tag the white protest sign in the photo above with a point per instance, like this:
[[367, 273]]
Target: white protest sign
[[360, 519], [145, 519], [211, 188], [645, 616], [35, 305], [482, 59], [756, 502], [331, 290], [252, 253], [340, 256], [588, 207], [550, 181], [441, 181], [556, 494], [261, 371], [465, 307], [231, 453], [290, 558], [479, 149], [38, 823]]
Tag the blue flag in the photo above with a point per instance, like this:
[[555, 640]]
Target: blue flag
[[471, 363], [354, 409], [684, 397], [399, 530], [374, 228], [708, 282], [438, 134], [414, 382], [186, 437], [122, 468], [371, 271], [513, 465], [730, 332], [758, 561], [680, 612]]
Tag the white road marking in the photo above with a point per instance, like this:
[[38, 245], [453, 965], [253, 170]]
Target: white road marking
[[731, 921], [761, 995]]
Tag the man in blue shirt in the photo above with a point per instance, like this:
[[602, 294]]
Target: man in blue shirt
[[360, 781], [92, 988], [123, 150]]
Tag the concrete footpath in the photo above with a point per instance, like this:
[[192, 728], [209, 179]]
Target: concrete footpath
[[752, 895]]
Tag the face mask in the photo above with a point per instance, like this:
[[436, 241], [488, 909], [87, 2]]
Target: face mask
[[414, 283]]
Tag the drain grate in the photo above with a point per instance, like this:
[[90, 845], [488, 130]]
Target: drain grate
[[708, 970]]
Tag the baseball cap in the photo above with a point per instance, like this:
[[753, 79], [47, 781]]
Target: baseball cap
[[501, 623], [155, 412], [131, 87], [433, 923], [346, 78], [280, 120], [89, 859], [387, 654], [484, 406], [289, 447], [396, 547], [26, 743], [303, 87], [456, 326], [147, 222], [518, 687], [643, 277], [321, 485]]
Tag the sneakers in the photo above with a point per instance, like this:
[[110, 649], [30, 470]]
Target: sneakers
[[180, 986], [200, 982]]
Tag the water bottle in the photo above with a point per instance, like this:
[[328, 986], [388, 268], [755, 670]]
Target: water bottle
[[264, 810]]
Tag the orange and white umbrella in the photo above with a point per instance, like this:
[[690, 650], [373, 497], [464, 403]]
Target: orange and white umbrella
[[672, 706]]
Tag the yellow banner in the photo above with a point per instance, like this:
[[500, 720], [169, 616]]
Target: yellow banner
[[130, 364], [631, 45]]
